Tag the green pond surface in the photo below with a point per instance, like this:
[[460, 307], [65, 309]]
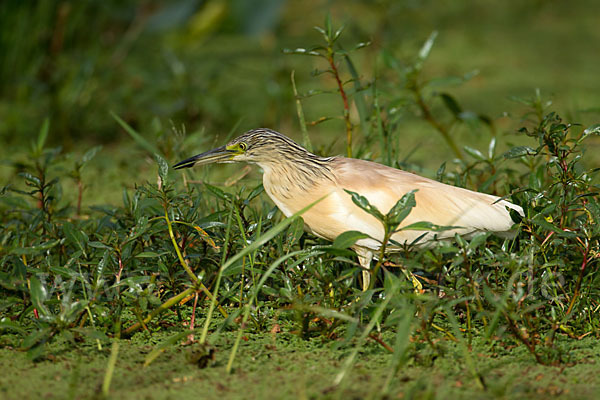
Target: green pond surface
[[283, 366]]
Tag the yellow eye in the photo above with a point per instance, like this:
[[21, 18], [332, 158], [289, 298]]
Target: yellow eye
[[243, 146]]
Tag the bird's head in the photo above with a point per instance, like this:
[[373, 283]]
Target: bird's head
[[259, 146]]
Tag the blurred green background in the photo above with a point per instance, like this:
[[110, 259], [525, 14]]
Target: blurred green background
[[206, 67]]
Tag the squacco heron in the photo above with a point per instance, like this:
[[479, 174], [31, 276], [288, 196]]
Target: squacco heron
[[294, 177]]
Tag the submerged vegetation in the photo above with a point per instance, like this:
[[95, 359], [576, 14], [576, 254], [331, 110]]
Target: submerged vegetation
[[215, 275]]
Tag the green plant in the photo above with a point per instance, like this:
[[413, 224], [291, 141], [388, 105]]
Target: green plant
[[180, 248]]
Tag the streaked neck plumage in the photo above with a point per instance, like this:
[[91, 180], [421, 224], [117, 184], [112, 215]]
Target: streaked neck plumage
[[294, 172]]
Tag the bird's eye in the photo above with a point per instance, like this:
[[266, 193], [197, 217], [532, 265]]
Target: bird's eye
[[243, 146]]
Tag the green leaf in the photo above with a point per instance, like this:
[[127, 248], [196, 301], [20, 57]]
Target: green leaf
[[300, 112], [519, 151], [492, 148], [31, 179], [405, 317], [590, 130], [148, 254], [64, 272], [35, 337], [337, 33], [359, 98], [328, 25], [218, 192], [522, 100], [401, 209], [254, 193], [439, 175], [268, 235], [478, 240], [361, 45], [133, 281], [98, 245], [75, 236], [420, 226], [488, 182], [364, 205], [92, 334], [487, 121], [548, 209], [425, 50], [451, 104], [39, 295], [139, 139], [541, 221], [7, 324], [91, 153], [35, 249], [338, 252], [126, 200], [460, 240], [390, 282], [303, 52], [42, 136], [348, 239], [161, 347], [100, 267], [294, 232], [163, 168], [474, 153]]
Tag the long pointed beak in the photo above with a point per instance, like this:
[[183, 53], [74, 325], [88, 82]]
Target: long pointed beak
[[219, 154]]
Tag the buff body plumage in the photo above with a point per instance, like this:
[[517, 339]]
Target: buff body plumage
[[294, 178]]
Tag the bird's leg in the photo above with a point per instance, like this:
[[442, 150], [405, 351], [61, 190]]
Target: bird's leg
[[364, 258]]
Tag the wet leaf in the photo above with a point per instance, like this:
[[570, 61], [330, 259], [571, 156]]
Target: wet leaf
[[519, 151], [425, 50], [401, 209], [364, 204], [474, 153]]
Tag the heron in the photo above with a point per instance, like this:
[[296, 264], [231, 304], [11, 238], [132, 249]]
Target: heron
[[293, 178]]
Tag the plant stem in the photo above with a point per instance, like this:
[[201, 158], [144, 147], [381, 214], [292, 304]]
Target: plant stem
[[163, 307], [176, 246], [110, 368], [305, 138], [336, 74], [185, 266], [530, 346], [579, 280], [379, 340], [79, 196], [112, 361], [364, 334], [386, 238], [193, 318], [213, 301], [428, 116]]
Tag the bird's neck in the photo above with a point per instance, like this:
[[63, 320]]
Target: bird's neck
[[296, 176]]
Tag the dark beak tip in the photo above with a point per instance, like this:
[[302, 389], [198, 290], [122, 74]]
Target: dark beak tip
[[185, 163], [204, 158]]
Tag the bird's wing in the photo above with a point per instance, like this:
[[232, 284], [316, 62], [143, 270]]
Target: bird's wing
[[436, 202]]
